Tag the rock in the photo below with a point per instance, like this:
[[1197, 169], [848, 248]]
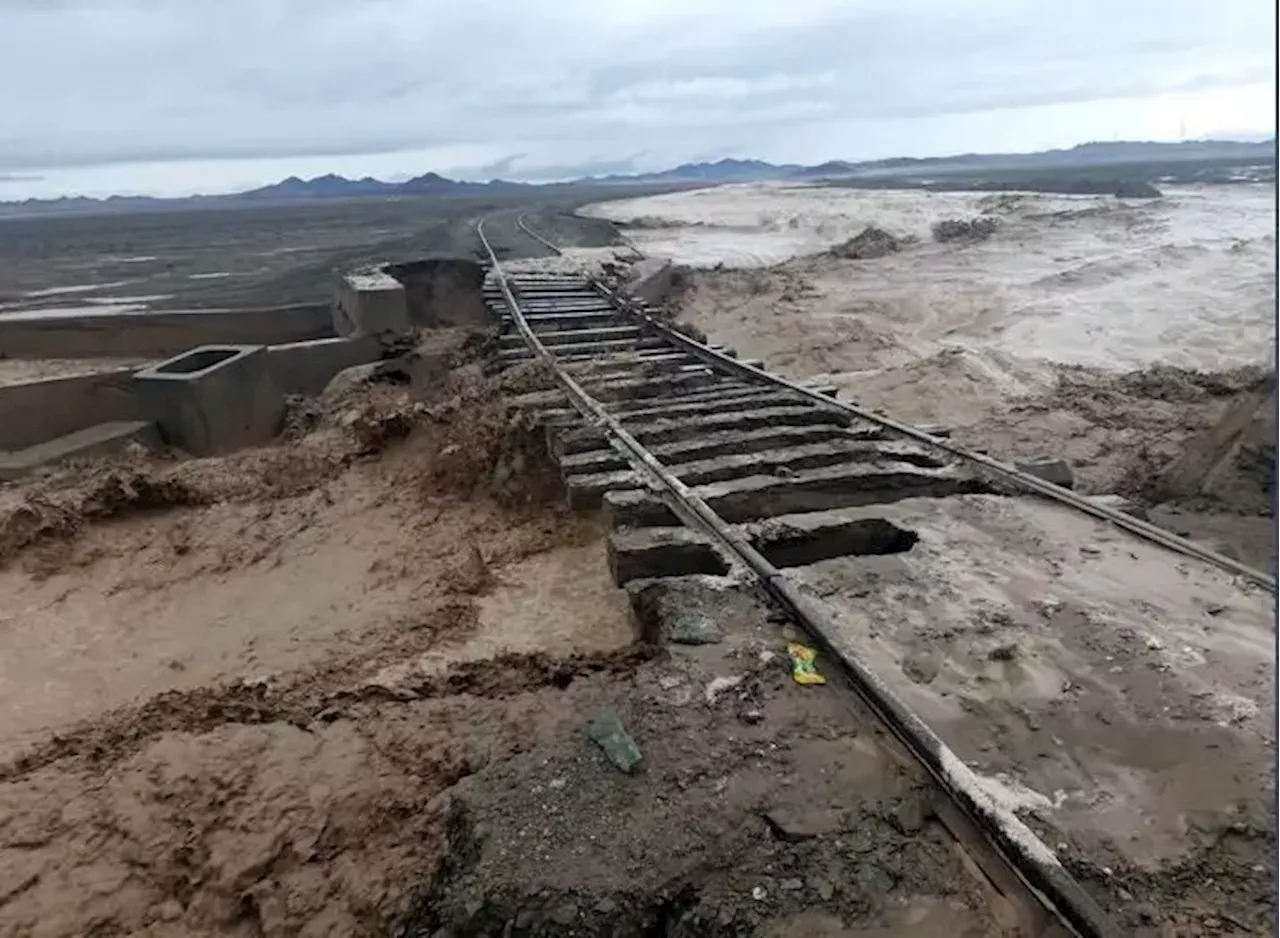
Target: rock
[[350, 378], [759, 893], [791, 885], [472, 573], [606, 906], [1055, 471], [962, 229], [1050, 607], [752, 717], [823, 888], [874, 880], [169, 911], [564, 914], [921, 669], [909, 815], [803, 823], [870, 243], [693, 628], [1007, 652], [1136, 189], [611, 736], [1121, 504]]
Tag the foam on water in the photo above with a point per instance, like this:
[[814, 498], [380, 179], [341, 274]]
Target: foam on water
[[1185, 280]]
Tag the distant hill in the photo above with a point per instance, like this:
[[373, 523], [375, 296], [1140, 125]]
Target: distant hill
[[322, 187], [293, 190], [721, 171], [332, 187], [1118, 153]]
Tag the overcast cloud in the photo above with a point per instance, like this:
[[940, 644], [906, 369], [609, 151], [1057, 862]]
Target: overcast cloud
[[186, 95]]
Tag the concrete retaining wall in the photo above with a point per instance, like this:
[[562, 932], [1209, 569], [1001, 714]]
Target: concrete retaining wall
[[306, 367], [35, 411], [160, 334]]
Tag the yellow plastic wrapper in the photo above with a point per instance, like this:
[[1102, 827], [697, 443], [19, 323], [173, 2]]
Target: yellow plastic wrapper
[[803, 664]]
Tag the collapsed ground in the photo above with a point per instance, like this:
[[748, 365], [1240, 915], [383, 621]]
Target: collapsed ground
[[342, 685]]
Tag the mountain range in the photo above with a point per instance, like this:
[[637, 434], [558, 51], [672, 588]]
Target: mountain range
[[333, 187]]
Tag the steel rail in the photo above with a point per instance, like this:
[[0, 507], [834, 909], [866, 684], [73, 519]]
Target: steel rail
[[1022, 852], [523, 226], [1136, 526]]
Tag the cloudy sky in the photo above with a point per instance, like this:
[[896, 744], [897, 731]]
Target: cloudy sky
[[182, 96]]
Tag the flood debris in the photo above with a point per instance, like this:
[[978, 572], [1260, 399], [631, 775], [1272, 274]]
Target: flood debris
[[908, 815], [719, 685], [611, 736], [804, 664], [1054, 471], [1007, 652], [965, 229]]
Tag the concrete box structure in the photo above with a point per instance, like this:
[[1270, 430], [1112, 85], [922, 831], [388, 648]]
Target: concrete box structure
[[32, 412], [307, 367], [213, 398], [371, 302]]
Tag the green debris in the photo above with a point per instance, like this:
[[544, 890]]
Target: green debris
[[610, 735], [803, 664]]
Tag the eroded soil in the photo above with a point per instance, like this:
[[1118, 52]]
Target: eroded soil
[[342, 686]]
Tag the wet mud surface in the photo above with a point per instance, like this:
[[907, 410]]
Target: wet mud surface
[[343, 685]]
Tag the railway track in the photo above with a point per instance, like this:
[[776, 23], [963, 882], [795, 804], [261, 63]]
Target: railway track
[[691, 453]]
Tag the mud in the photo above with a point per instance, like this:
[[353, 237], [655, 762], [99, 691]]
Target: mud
[[189, 642], [771, 808], [1117, 699], [340, 685], [473, 801]]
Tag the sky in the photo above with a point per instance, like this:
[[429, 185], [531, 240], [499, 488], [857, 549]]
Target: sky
[[175, 97]]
